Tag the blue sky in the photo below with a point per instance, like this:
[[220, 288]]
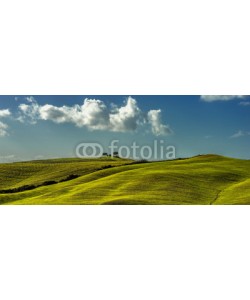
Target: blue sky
[[36, 127]]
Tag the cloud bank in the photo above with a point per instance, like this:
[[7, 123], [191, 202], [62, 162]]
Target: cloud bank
[[96, 115]]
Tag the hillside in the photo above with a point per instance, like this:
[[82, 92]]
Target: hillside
[[207, 179]]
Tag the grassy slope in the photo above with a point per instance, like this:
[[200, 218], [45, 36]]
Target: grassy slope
[[36, 172], [201, 180]]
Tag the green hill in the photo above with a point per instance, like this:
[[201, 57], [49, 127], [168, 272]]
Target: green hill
[[207, 179]]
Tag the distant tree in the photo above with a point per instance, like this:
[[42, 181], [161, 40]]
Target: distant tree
[[105, 154], [116, 154]]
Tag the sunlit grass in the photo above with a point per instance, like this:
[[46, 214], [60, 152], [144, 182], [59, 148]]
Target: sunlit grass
[[206, 179]]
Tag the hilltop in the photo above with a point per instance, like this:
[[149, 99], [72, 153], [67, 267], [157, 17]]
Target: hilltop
[[206, 179]]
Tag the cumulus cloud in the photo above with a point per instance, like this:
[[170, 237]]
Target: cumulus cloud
[[126, 118], [210, 98], [154, 118], [95, 115], [30, 112], [4, 113]]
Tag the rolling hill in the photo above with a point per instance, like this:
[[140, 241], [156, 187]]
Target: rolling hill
[[206, 179]]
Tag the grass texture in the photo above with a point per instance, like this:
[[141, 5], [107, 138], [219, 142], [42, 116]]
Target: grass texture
[[201, 180]]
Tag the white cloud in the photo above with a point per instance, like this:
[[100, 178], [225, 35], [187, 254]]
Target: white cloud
[[239, 134], [210, 98], [30, 99], [30, 112], [126, 118], [4, 113], [95, 115], [154, 118], [3, 129]]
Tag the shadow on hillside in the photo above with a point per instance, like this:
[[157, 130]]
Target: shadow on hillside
[[32, 186]]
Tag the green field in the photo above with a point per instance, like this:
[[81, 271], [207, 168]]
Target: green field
[[207, 179]]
